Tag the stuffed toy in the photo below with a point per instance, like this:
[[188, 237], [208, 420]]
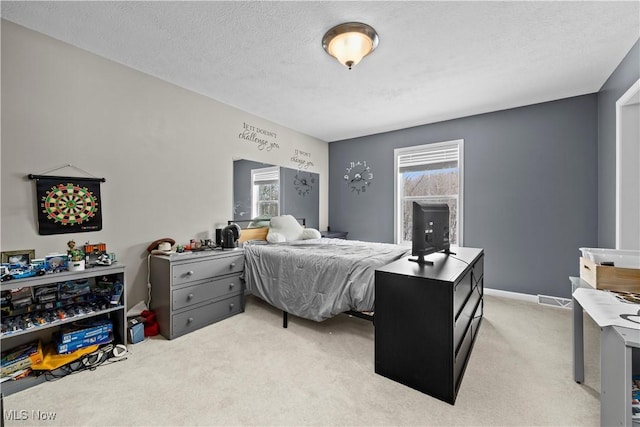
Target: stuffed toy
[[285, 228]]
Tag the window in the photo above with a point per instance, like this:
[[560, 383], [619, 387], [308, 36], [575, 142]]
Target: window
[[429, 173], [265, 196]]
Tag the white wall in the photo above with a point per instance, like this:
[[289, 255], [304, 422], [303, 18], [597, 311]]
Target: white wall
[[165, 152], [628, 203]]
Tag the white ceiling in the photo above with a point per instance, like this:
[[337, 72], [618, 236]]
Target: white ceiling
[[436, 60]]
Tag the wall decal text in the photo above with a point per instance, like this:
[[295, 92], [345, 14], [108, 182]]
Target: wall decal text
[[259, 137], [302, 159]]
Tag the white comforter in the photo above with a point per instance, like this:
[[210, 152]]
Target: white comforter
[[320, 278]]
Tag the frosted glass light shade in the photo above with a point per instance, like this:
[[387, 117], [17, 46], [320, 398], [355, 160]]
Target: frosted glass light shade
[[350, 42]]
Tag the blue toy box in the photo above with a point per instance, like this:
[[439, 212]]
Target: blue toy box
[[78, 331]]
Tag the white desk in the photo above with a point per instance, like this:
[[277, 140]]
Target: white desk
[[619, 349]]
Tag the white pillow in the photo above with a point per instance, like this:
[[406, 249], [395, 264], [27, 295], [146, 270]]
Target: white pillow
[[310, 233], [284, 228], [275, 237]]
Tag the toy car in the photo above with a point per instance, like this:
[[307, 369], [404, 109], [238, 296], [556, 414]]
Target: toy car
[[104, 259], [15, 271]]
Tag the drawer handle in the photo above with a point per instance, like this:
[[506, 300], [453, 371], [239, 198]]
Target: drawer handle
[[190, 296], [190, 320], [190, 273], [231, 285], [233, 264], [231, 306]]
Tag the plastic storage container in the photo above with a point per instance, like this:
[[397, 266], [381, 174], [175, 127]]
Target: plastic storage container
[[622, 258]]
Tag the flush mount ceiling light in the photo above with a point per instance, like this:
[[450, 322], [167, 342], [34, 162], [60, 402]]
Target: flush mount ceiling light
[[350, 42]]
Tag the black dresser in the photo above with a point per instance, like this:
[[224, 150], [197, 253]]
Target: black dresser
[[427, 318]]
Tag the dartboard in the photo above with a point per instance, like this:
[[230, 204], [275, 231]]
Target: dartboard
[[69, 204]]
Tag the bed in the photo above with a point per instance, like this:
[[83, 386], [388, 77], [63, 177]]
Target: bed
[[314, 278]]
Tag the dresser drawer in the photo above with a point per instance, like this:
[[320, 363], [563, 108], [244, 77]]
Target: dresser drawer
[[461, 356], [191, 320], [212, 289], [465, 317], [207, 268], [477, 319], [478, 270], [461, 291]]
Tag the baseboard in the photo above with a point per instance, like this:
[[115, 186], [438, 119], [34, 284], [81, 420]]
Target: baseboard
[[537, 299], [511, 295]]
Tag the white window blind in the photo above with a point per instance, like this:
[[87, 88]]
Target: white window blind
[[266, 175], [410, 161]]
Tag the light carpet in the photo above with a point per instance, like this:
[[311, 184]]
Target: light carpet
[[248, 370]]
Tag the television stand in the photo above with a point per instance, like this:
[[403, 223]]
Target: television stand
[[420, 260]]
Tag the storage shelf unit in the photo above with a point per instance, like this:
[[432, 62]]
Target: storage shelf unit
[[116, 314], [193, 290]]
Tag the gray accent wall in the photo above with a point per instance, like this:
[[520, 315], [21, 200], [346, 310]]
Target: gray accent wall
[[530, 180], [625, 75]]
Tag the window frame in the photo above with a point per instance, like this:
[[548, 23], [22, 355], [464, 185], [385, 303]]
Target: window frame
[[459, 143], [275, 170]]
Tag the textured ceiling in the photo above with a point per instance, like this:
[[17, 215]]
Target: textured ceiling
[[436, 60]]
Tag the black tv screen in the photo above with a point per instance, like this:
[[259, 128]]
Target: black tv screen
[[430, 230]]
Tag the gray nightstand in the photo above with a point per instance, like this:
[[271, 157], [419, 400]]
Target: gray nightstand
[[192, 290]]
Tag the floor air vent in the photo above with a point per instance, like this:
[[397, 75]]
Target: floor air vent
[[555, 301]]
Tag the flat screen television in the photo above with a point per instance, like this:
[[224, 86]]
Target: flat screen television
[[430, 230]]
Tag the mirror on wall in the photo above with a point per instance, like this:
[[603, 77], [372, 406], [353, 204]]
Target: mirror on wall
[[262, 190]]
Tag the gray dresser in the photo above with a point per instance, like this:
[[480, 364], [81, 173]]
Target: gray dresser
[[192, 290]]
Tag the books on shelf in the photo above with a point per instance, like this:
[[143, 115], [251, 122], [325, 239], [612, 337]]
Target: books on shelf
[[20, 358]]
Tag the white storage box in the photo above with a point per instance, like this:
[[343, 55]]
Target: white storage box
[[620, 272]]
